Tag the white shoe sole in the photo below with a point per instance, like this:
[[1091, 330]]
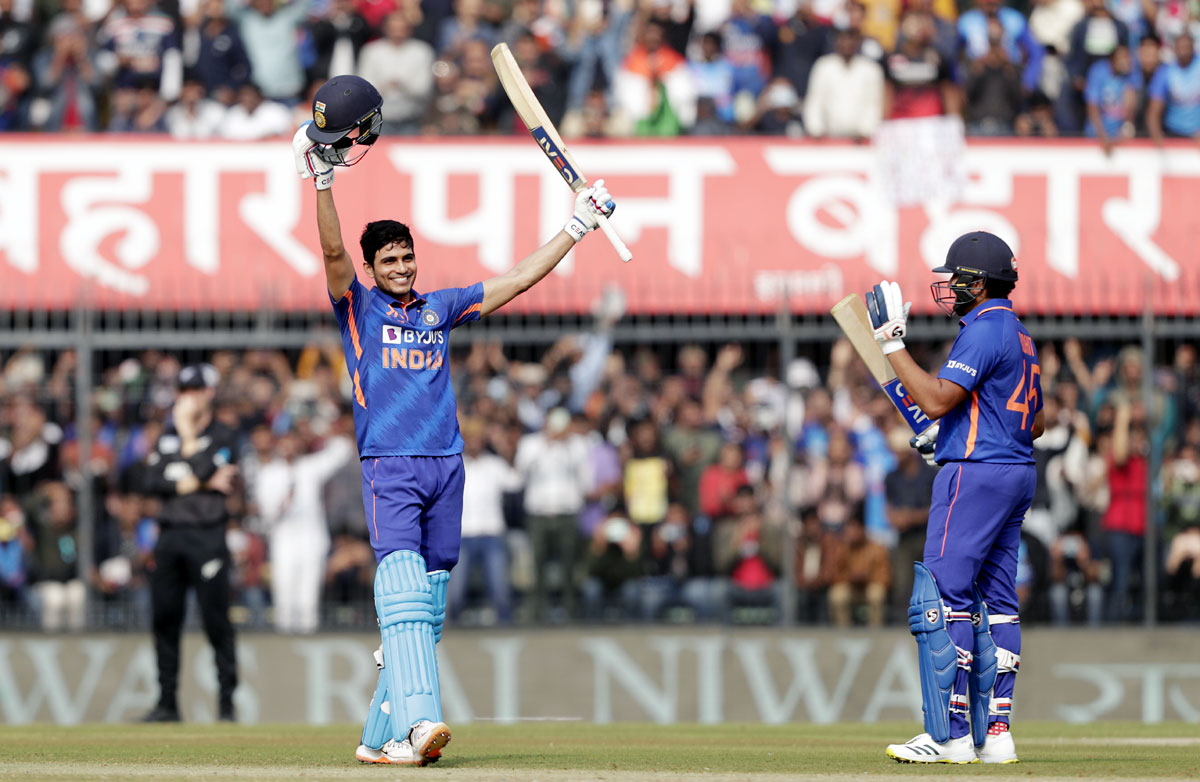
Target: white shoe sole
[[431, 750], [365, 754], [1002, 761], [891, 753]]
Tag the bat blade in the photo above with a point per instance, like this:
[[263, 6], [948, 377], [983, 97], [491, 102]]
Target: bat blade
[[530, 110], [851, 315]]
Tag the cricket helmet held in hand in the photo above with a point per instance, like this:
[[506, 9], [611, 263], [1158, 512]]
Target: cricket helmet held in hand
[[972, 257], [347, 118]]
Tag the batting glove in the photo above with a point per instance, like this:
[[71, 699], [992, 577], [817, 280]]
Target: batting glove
[[309, 164], [926, 443], [590, 202], [889, 315]]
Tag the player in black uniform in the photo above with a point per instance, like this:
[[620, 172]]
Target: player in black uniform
[[192, 468]]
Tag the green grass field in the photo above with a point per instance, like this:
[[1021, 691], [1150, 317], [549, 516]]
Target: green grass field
[[544, 752]]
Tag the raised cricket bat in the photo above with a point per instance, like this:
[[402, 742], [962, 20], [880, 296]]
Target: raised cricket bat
[[851, 314], [545, 134]]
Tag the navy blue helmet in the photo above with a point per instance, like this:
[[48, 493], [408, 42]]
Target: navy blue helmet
[[347, 117], [975, 256]]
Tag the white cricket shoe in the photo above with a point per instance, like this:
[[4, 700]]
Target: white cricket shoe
[[923, 749], [396, 753], [428, 738], [999, 748]]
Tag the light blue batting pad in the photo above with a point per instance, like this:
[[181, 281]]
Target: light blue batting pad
[[936, 654], [438, 581], [983, 670], [378, 727], [404, 603]]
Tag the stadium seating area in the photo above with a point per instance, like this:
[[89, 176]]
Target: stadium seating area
[[680, 483], [834, 68], [682, 473]]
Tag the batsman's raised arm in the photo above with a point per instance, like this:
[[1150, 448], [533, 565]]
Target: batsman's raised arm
[[936, 396], [500, 290], [339, 268]]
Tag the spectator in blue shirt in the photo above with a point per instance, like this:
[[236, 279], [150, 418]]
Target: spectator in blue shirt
[[1022, 47], [1175, 95], [1094, 37], [141, 46], [714, 75], [216, 53], [748, 39], [14, 557], [1111, 94], [1149, 60]]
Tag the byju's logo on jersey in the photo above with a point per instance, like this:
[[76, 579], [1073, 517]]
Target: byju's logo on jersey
[[961, 367], [398, 335], [430, 317]]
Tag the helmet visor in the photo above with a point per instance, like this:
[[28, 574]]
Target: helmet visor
[[351, 146], [954, 296]]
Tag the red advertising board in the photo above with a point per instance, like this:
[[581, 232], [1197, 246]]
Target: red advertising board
[[724, 226]]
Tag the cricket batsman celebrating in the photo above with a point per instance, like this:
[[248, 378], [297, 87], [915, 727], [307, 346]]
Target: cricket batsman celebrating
[[395, 342], [988, 402]]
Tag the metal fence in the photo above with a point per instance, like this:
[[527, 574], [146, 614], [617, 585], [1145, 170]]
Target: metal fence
[[100, 339]]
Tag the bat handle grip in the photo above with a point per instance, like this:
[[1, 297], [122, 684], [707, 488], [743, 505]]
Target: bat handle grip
[[611, 233]]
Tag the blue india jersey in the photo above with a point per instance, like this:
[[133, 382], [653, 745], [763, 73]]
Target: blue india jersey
[[1022, 47], [397, 356], [993, 358], [1179, 88], [1106, 90]]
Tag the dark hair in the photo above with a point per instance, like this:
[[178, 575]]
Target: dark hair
[[998, 289], [1151, 38], [380, 234], [716, 38]]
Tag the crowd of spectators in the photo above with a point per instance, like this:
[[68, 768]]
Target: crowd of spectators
[[246, 69], [605, 483]]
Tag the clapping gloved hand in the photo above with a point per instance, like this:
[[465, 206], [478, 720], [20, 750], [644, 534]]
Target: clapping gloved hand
[[889, 315], [926, 442], [309, 163], [590, 202]]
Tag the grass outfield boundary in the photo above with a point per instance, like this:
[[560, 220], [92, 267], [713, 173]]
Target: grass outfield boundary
[[580, 752]]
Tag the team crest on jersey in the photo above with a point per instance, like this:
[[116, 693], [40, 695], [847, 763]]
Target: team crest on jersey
[[430, 317]]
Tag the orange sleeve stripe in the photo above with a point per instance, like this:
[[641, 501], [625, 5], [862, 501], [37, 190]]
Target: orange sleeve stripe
[[974, 430], [473, 308], [358, 394], [353, 327], [946, 529]]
